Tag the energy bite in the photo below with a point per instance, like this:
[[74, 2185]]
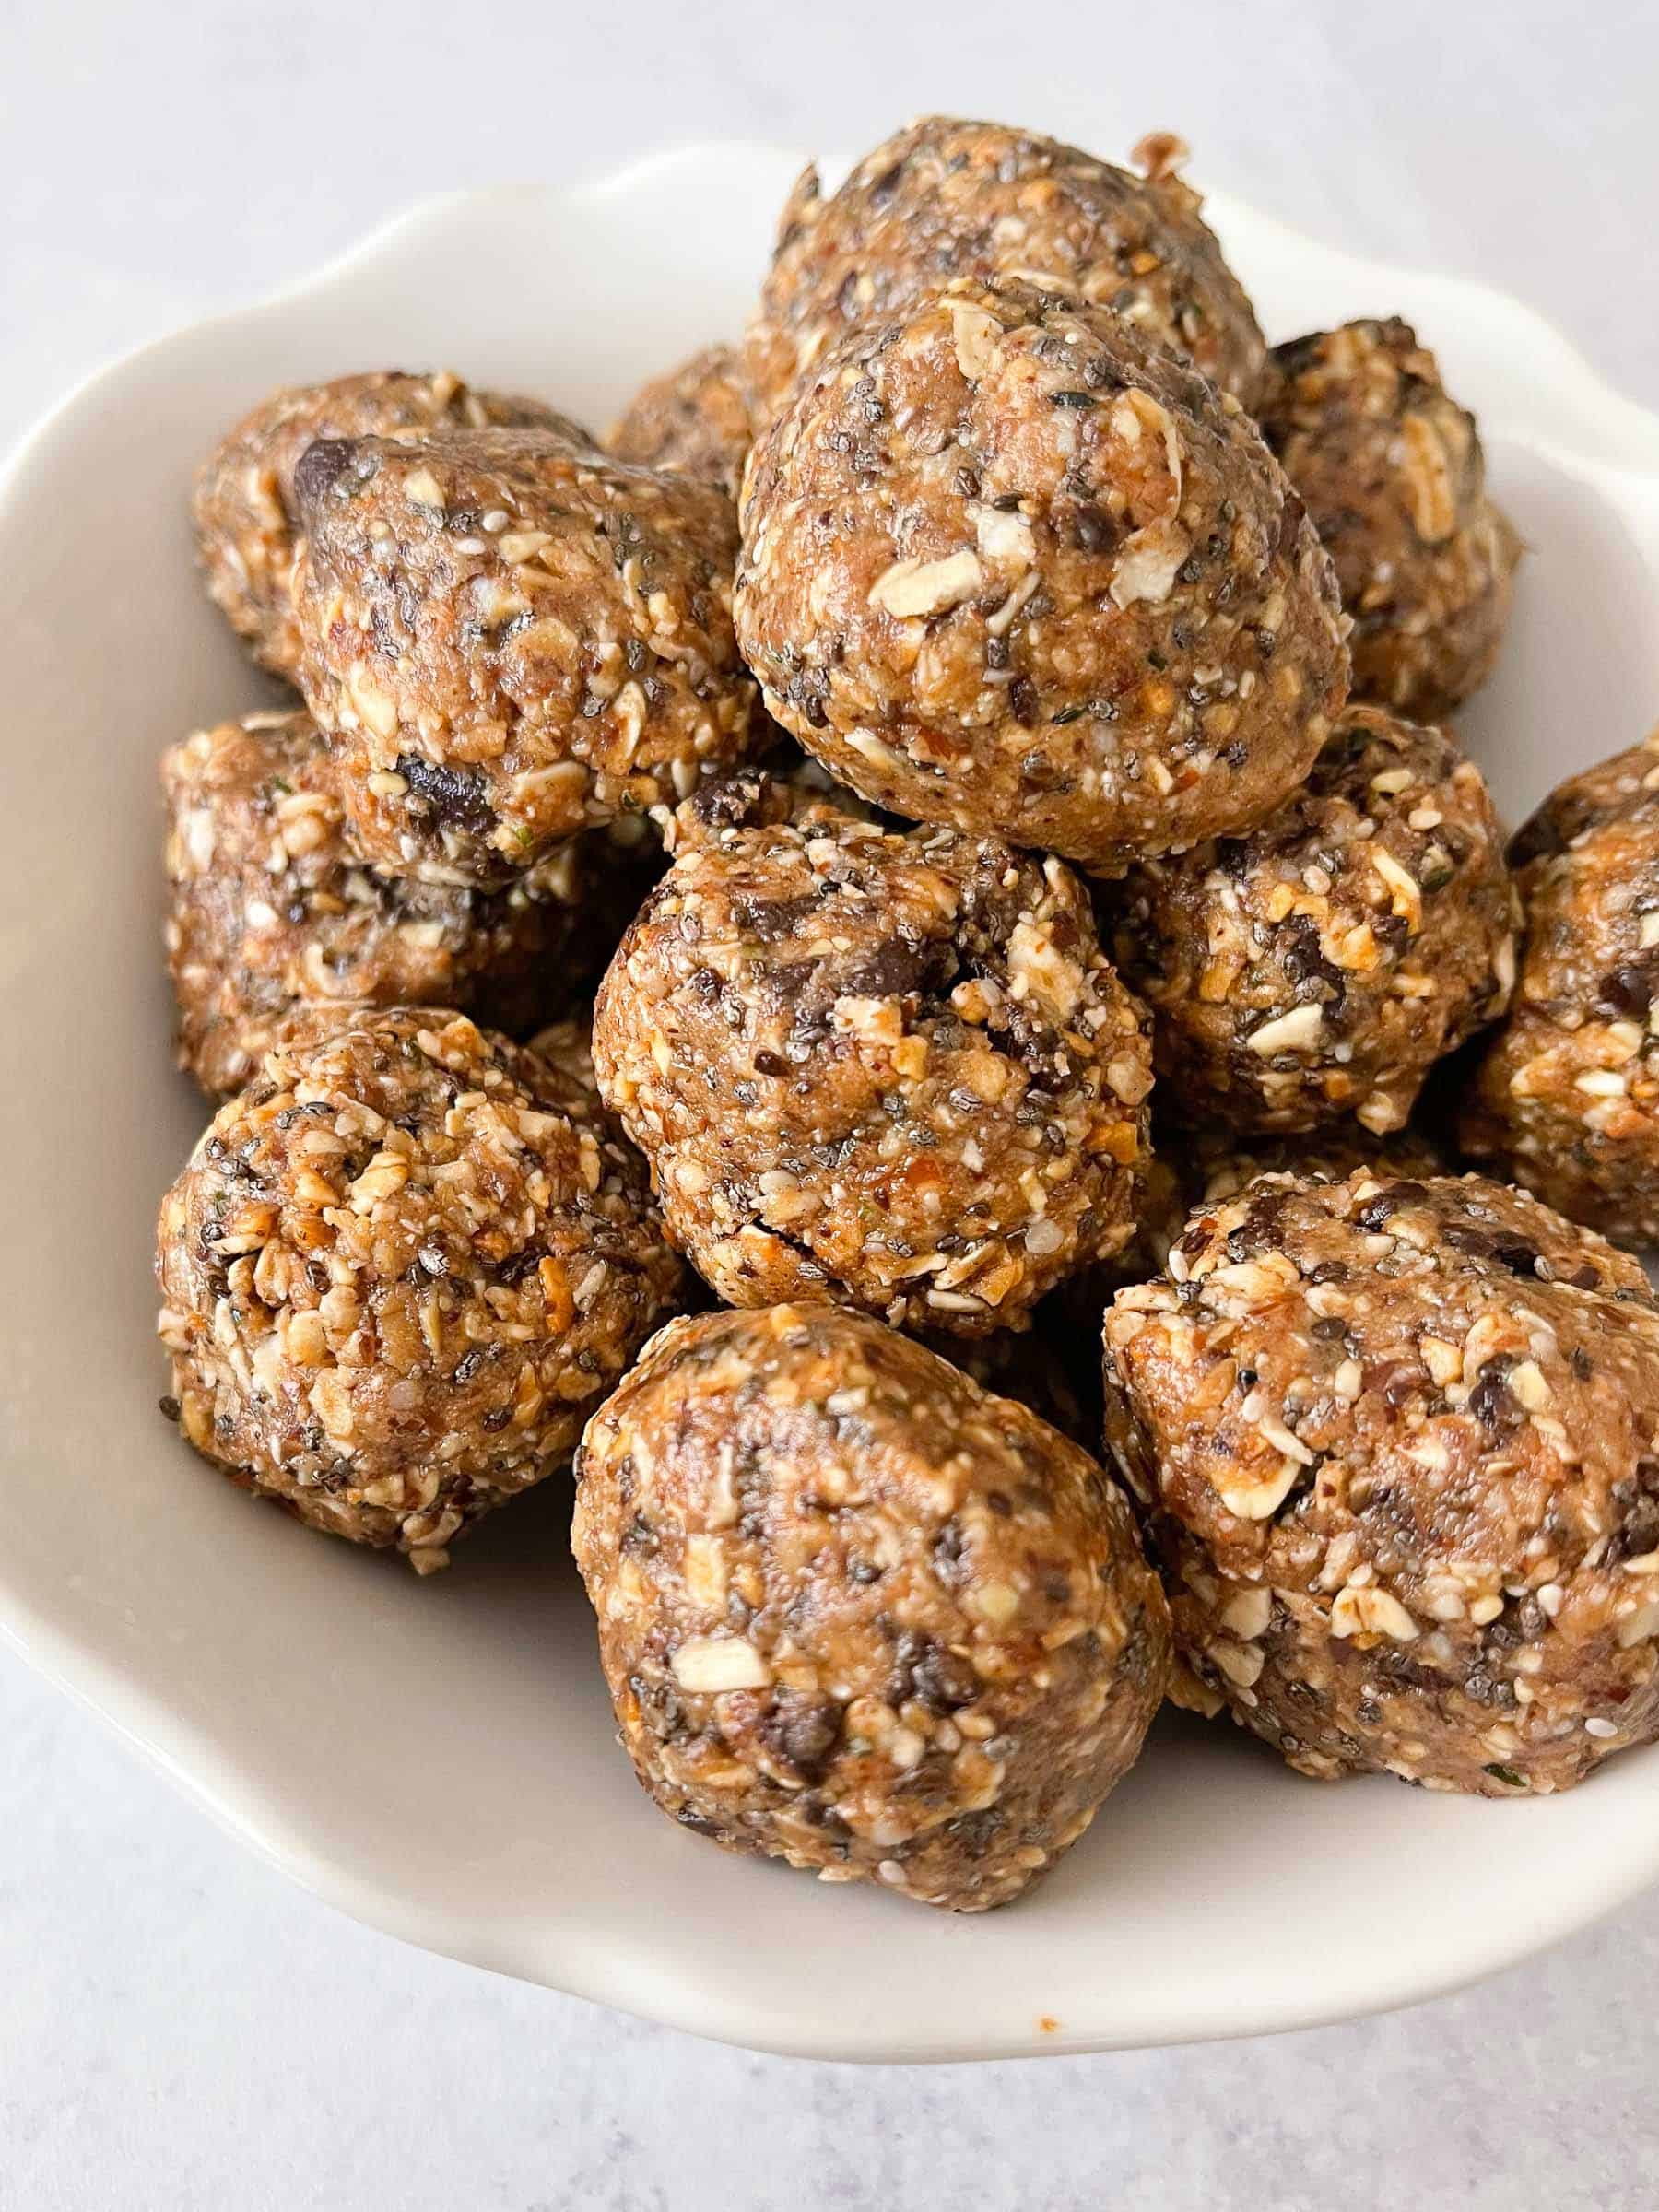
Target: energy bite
[[696, 418], [795, 791], [399, 1271], [244, 503], [1193, 1168], [1006, 564], [1396, 1444], [890, 1071], [1212, 1166], [1567, 1098], [271, 909], [1317, 967], [1394, 478], [508, 638], [946, 198], [859, 1614]]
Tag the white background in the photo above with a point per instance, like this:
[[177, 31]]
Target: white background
[[179, 2027]]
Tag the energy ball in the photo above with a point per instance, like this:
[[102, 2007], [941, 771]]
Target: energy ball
[[1396, 1444], [948, 198], [887, 1071], [696, 418], [508, 638], [799, 792], [1317, 967], [856, 1612], [1567, 1098], [271, 909], [1212, 1166], [1191, 1168], [398, 1273], [1394, 479], [243, 503], [1008, 565]]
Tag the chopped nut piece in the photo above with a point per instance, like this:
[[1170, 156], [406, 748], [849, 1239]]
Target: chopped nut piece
[[927, 587], [1256, 1500], [1248, 1614], [715, 1663], [1298, 1030], [1369, 1612]]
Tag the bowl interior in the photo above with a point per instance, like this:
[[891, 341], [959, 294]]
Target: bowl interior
[[438, 1757]]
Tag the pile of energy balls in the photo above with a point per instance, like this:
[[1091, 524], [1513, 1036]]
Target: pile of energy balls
[[944, 821]]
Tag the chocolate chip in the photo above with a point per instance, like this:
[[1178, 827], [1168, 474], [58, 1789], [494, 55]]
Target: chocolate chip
[[1492, 1402], [451, 795], [320, 468]]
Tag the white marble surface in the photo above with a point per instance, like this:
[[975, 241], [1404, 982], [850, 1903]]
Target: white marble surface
[[178, 2026]]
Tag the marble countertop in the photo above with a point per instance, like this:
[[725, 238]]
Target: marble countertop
[[179, 2027]]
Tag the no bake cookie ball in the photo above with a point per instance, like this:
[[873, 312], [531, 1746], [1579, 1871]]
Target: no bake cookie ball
[[857, 1612], [1317, 967], [1190, 1168], [1394, 479], [1566, 1099], [1396, 1444], [1008, 565], [697, 418], [508, 638], [271, 910], [891, 1071], [1211, 1165], [795, 791], [243, 503], [949, 198], [399, 1271]]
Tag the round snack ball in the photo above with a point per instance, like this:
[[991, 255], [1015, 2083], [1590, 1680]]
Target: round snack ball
[[1317, 967], [1187, 1169], [244, 503], [798, 792], [949, 198], [508, 638], [890, 1071], [1395, 1441], [1212, 1166], [697, 418], [859, 1614], [1008, 565], [399, 1271], [1394, 479], [1567, 1098], [271, 909]]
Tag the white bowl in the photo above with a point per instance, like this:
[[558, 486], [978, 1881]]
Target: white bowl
[[437, 1757]]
